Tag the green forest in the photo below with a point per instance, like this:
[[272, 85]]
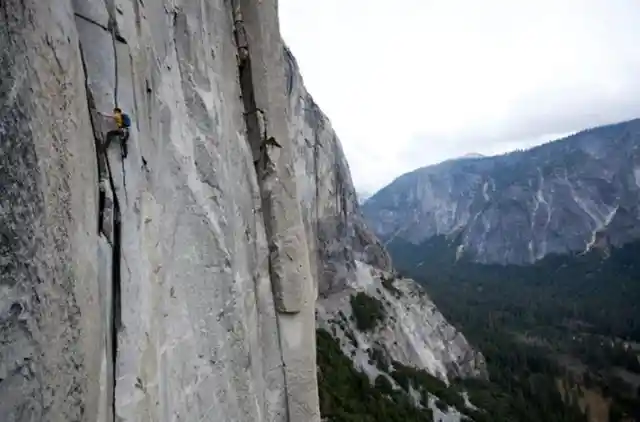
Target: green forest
[[347, 395], [556, 335]]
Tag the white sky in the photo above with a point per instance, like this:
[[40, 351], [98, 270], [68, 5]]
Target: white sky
[[407, 83]]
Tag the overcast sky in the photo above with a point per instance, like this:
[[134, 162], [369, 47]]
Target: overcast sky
[[407, 83]]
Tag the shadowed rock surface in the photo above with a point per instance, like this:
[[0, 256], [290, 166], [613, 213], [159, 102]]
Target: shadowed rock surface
[[178, 284], [563, 197], [330, 208]]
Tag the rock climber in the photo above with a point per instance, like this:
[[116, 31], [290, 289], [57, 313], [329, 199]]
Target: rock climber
[[123, 122]]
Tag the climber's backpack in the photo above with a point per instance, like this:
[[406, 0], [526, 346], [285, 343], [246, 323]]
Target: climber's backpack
[[126, 120]]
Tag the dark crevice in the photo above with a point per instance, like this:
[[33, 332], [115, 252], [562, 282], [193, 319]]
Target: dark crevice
[[341, 191], [116, 37], [290, 70], [104, 172], [149, 98], [124, 179], [256, 132], [116, 304], [134, 92], [256, 123], [91, 21], [115, 65], [101, 203], [136, 11], [255, 135], [174, 25], [113, 23], [251, 116]]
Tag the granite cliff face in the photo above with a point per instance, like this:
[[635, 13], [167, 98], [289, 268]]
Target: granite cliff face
[[413, 332], [330, 210], [563, 197], [179, 283], [350, 259]]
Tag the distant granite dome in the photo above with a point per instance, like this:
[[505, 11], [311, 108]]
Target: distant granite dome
[[560, 197]]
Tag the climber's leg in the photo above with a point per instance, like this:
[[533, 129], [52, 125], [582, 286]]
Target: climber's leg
[[124, 138], [109, 137]]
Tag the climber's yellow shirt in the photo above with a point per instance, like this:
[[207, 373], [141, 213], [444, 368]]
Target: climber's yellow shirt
[[118, 119]]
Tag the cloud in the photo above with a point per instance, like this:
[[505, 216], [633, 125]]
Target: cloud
[[414, 82]]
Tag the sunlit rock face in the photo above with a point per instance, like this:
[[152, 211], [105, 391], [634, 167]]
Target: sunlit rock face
[[563, 197]]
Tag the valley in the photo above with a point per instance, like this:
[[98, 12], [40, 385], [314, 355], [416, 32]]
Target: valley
[[558, 335], [533, 255]]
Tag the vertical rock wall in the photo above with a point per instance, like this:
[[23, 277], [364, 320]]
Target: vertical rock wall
[[173, 284], [177, 283], [337, 234], [262, 82], [51, 330], [348, 258]]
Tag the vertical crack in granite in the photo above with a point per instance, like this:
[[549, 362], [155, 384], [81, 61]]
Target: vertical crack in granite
[[134, 91], [288, 297], [104, 171], [115, 38], [81, 16], [341, 192], [113, 29], [260, 62], [116, 282], [116, 299], [255, 135]]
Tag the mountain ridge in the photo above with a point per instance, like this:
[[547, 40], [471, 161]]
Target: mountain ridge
[[560, 197]]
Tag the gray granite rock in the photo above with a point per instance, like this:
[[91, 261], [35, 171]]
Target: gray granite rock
[[338, 236], [413, 331], [177, 283], [50, 314]]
